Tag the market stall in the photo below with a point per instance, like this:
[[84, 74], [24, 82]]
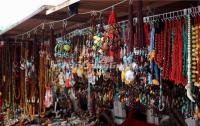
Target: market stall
[[106, 64]]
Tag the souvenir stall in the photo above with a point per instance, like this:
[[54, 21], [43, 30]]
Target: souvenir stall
[[109, 71]]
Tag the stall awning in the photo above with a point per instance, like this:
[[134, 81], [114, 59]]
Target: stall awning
[[52, 13]]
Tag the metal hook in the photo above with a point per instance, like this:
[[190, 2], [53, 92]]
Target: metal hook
[[176, 16], [100, 13], [164, 17], [43, 26], [152, 19], [28, 35], [113, 8], [51, 25], [170, 16], [182, 13], [64, 23], [196, 11], [189, 11], [22, 36], [193, 11], [35, 31], [147, 19], [185, 12], [93, 13]]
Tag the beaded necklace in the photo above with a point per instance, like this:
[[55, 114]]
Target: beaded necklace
[[169, 50], [26, 53], [147, 35], [41, 77], [185, 46], [22, 76], [177, 72], [130, 41], [158, 44], [8, 75], [139, 44], [3, 74], [195, 54], [1, 80], [15, 77], [189, 51]]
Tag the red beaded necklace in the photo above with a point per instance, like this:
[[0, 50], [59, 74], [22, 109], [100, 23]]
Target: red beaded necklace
[[146, 33], [167, 50], [177, 54]]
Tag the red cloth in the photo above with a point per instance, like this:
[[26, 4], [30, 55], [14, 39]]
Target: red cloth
[[133, 122], [130, 121]]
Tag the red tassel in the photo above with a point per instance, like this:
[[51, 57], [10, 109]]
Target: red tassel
[[112, 18]]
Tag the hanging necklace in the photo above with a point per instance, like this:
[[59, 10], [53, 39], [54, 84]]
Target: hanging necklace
[[185, 46], [130, 41], [195, 55], [15, 71], [177, 73], [22, 77], [169, 51], [42, 66], [8, 74], [1, 82]]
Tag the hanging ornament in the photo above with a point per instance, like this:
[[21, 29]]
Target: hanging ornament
[[129, 75], [188, 87], [130, 41], [80, 72], [121, 67], [52, 42], [61, 78], [139, 43], [48, 97], [112, 18]]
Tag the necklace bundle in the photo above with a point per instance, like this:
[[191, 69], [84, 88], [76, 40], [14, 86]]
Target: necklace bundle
[[185, 46], [16, 77], [130, 41], [159, 44], [41, 76], [1, 81], [195, 53], [177, 55], [139, 44], [22, 76]]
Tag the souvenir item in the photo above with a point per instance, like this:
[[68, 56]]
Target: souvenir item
[[48, 97], [130, 41], [61, 78]]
